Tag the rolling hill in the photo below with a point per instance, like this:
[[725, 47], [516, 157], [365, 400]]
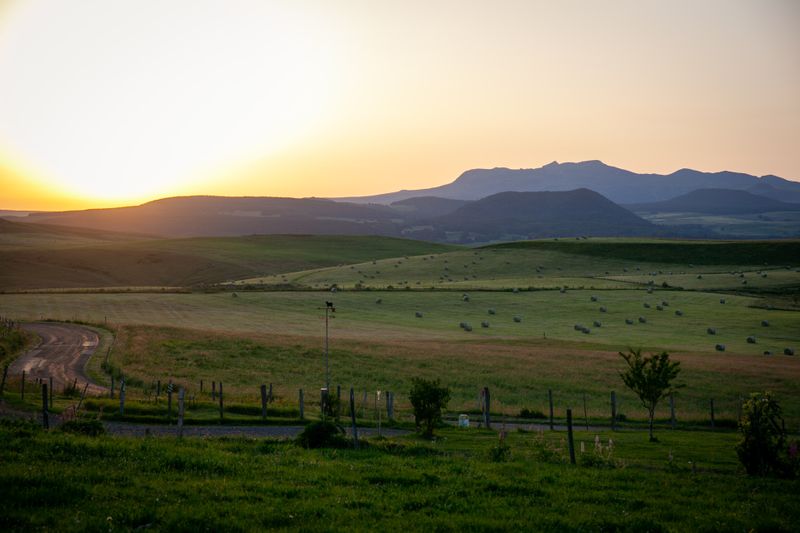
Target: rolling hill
[[531, 215], [716, 202]]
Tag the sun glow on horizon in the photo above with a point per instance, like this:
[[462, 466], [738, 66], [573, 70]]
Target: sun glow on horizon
[[124, 101]]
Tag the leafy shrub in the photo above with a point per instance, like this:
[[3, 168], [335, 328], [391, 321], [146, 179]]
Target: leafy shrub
[[531, 413], [322, 434], [428, 398], [84, 426], [763, 449]]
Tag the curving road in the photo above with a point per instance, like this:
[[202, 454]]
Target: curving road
[[62, 354]]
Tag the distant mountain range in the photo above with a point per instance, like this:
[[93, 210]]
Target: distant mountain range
[[557, 200], [616, 184]]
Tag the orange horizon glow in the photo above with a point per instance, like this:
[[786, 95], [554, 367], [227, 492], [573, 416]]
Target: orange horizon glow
[[108, 104]]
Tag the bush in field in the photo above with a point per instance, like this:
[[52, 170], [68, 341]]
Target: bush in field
[[428, 398], [650, 378], [763, 449], [322, 434]]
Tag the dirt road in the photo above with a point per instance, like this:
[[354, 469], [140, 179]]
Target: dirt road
[[62, 354]]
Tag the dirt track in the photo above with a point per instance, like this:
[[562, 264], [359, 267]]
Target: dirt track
[[62, 354]]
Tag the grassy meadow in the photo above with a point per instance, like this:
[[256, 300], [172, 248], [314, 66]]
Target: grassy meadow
[[689, 481]]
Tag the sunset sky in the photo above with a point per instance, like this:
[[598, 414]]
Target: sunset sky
[[113, 102]]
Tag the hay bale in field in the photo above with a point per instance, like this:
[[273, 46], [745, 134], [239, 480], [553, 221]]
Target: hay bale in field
[[650, 290], [699, 276], [491, 311], [517, 318], [596, 323], [659, 308], [646, 305], [765, 323], [711, 331], [562, 290], [485, 324], [788, 351], [234, 295], [378, 301], [515, 290], [744, 282], [593, 298], [603, 309], [585, 331], [467, 327], [418, 314], [722, 300], [465, 297], [629, 321], [678, 312], [665, 303], [751, 339], [763, 274], [720, 347], [767, 352], [462, 325], [642, 320], [577, 327]]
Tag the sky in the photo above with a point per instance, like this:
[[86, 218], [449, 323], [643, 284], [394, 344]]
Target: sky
[[116, 102]]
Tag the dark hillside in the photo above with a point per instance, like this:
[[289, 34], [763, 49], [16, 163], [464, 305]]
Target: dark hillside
[[716, 202]]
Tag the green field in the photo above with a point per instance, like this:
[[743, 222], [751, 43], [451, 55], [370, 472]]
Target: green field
[[107, 483]]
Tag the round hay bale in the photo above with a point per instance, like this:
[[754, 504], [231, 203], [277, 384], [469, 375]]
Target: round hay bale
[[650, 290], [597, 324], [378, 301], [678, 312], [767, 352], [515, 290], [467, 327], [603, 309], [665, 303], [418, 314], [722, 300], [646, 305], [234, 295], [765, 323], [585, 331], [577, 327], [659, 308], [788, 351], [491, 311], [720, 347], [593, 298], [699, 276], [517, 318], [711, 331], [485, 324], [629, 321], [562, 290], [642, 320], [751, 339]]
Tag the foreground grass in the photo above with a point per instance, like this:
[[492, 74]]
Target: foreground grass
[[74, 483]]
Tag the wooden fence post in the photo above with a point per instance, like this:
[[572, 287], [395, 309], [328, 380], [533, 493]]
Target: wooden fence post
[[201, 385], [22, 387], [263, 402], [83, 395], [302, 405], [111, 392], [550, 399], [711, 405], [3, 383], [353, 417], [613, 410], [221, 407], [122, 396], [158, 389], [585, 412], [672, 410], [487, 403], [213, 390], [569, 437], [169, 402], [45, 415], [389, 405], [181, 396], [270, 397], [51, 391]]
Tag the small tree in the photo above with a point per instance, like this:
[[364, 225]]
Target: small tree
[[763, 448], [428, 398], [650, 378]]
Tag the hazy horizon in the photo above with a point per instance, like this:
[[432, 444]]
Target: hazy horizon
[[107, 104]]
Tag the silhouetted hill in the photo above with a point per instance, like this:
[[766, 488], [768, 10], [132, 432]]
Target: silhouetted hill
[[716, 202], [763, 188], [531, 215], [616, 184], [228, 216], [424, 207]]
